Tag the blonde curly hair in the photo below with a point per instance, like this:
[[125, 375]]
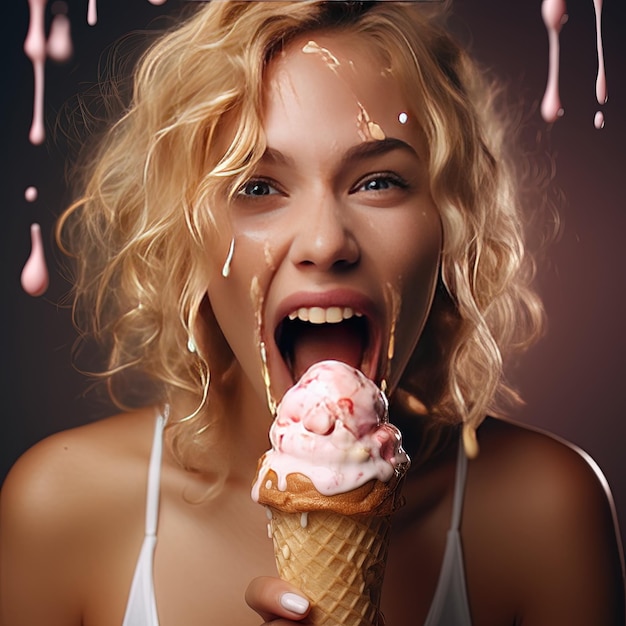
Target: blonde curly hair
[[141, 226]]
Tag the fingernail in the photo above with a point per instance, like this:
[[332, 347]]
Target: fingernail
[[294, 603]]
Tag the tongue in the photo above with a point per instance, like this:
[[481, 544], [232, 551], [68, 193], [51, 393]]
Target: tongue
[[341, 342]]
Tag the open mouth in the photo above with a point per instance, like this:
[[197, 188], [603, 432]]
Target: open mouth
[[312, 334]]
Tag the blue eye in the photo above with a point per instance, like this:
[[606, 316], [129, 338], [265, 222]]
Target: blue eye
[[381, 182], [257, 188]]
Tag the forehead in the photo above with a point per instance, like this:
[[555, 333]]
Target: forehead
[[326, 79]]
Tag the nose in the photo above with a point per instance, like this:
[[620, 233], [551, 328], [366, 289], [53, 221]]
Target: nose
[[325, 239]]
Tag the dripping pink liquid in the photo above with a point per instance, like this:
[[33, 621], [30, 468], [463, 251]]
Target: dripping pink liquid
[[35, 49], [92, 13], [59, 46], [31, 194], [35, 277], [598, 120], [601, 91], [553, 13]]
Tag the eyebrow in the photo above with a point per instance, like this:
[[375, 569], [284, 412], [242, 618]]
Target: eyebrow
[[361, 151], [377, 147]]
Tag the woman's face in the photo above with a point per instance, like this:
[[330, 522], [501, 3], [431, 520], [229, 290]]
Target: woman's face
[[336, 238]]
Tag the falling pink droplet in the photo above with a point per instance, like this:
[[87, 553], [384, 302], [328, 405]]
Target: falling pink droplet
[[554, 16], [158, 2], [598, 120], [59, 45], [92, 13], [35, 49], [601, 91], [35, 277], [31, 194]]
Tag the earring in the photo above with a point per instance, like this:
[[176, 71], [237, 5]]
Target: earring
[[191, 345], [229, 259]]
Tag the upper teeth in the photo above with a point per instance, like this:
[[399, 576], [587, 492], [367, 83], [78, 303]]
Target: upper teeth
[[320, 315]]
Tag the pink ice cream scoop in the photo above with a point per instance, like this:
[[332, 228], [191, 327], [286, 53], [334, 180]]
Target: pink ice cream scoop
[[333, 428]]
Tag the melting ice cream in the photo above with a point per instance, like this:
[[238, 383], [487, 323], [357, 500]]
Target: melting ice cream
[[332, 428]]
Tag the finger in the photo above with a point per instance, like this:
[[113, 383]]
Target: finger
[[274, 598]]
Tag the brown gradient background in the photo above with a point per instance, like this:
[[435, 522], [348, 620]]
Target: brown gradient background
[[572, 381]]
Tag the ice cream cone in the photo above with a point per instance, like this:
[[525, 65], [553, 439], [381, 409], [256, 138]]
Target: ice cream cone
[[330, 484], [337, 560]]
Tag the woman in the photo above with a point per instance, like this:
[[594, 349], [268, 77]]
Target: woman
[[340, 164]]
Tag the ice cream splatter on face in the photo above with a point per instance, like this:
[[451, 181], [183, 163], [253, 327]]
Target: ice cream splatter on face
[[367, 128], [403, 118], [394, 301], [267, 253], [258, 299], [312, 47], [229, 259], [333, 428]]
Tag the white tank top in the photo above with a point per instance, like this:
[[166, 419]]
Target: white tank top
[[450, 606]]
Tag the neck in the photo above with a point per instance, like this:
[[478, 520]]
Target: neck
[[227, 437]]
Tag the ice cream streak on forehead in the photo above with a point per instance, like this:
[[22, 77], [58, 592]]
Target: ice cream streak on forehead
[[367, 128]]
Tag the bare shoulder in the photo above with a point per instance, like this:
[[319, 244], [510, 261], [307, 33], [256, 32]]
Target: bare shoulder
[[79, 467], [542, 507], [61, 505], [547, 472]]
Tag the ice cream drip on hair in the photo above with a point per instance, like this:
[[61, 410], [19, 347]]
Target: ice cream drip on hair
[[35, 276]]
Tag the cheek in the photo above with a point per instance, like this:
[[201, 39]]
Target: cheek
[[414, 265], [237, 299], [408, 249]]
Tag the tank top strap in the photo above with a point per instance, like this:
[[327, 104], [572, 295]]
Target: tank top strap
[[154, 474], [459, 487]]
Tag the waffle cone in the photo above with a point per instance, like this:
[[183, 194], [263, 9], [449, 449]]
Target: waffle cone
[[337, 560]]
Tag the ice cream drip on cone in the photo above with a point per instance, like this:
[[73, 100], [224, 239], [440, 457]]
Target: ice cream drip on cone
[[331, 483]]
